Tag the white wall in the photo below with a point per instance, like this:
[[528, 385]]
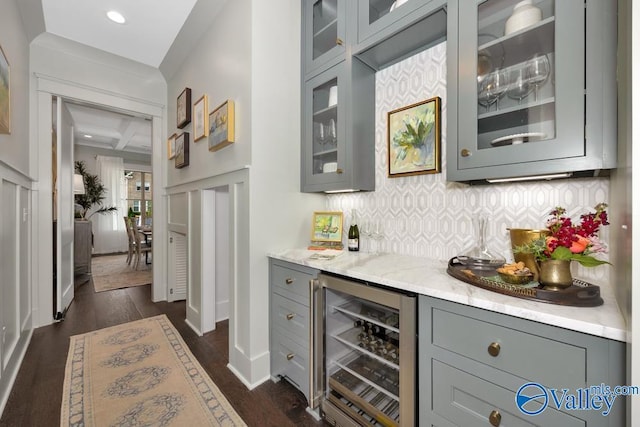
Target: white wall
[[250, 54], [15, 206]]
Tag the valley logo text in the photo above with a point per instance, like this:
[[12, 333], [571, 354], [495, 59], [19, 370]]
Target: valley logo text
[[533, 398]]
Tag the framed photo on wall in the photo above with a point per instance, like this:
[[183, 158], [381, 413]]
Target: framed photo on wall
[[5, 94], [413, 139], [221, 126], [200, 118], [171, 147], [182, 150], [183, 108]]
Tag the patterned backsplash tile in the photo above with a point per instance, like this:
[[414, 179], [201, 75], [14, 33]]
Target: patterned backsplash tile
[[426, 216]]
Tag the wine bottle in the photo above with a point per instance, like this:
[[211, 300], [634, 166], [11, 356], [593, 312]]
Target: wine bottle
[[354, 233]]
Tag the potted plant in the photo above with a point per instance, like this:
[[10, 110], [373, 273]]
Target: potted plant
[[95, 193]]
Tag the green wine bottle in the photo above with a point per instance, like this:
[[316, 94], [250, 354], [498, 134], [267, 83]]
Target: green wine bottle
[[354, 233]]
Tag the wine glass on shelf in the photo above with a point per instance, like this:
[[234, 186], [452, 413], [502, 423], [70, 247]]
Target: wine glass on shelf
[[538, 68], [520, 86], [496, 84]]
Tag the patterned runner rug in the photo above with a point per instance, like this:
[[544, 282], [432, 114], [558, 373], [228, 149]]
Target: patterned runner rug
[[112, 272], [139, 374]]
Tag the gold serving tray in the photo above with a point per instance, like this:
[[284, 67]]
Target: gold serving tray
[[580, 294]]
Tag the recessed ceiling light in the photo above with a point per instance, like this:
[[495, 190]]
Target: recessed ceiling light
[[88, 136], [116, 17]]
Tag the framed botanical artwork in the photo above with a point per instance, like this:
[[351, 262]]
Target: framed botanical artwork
[[182, 150], [221, 126], [326, 227], [171, 147], [413, 139], [200, 118], [183, 108], [5, 94]]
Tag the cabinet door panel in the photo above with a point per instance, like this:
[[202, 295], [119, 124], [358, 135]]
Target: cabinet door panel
[[324, 34]]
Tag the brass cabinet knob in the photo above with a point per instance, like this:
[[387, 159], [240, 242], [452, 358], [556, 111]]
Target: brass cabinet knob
[[494, 349], [290, 356], [288, 281], [339, 171], [465, 152], [290, 316], [495, 418], [339, 41]]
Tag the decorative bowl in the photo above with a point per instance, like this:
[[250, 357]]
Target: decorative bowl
[[516, 279], [524, 15]]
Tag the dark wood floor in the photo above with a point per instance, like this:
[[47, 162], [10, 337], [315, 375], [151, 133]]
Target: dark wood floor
[[37, 393]]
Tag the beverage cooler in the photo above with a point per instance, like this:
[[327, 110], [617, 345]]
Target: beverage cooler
[[364, 353]]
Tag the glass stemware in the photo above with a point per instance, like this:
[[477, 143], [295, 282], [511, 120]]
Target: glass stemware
[[365, 231], [538, 68], [495, 85], [377, 234], [519, 87]]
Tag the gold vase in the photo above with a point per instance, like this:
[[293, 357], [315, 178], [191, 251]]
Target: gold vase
[[520, 237], [555, 274]]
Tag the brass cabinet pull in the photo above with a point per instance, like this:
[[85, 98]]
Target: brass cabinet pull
[[339, 41], [495, 418], [288, 281], [494, 349], [339, 171], [465, 152], [290, 356], [290, 316]]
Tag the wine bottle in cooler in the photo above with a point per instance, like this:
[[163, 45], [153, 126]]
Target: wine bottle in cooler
[[354, 233]]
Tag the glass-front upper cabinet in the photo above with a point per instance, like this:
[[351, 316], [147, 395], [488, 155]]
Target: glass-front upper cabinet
[[374, 16], [521, 90], [324, 31]]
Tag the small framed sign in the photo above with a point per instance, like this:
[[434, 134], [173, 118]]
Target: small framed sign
[[171, 147], [201, 118], [326, 227]]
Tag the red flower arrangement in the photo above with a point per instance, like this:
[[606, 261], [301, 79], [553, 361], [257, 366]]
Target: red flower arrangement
[[569, 241]]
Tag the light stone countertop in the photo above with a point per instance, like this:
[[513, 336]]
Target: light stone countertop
[[429, 277]]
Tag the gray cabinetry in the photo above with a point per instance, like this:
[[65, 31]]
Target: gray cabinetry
[[290, 337], [324, 33], [533, 96], [338, 129], [472, 362]]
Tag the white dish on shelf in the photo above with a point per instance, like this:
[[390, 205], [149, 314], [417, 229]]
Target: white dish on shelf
[[396, 4], [517, 138], [524, 15]]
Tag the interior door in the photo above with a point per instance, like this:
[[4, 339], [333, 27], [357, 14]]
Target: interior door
[[63, 126]]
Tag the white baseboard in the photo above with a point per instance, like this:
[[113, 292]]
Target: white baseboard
[[11, 372]]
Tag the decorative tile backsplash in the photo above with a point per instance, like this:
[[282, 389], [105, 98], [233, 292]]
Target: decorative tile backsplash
[[426, 216]]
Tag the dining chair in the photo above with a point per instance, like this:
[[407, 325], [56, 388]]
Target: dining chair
[[131, 237], [141, 247]]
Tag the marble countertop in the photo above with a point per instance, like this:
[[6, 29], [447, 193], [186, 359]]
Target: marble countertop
[[429, 277]]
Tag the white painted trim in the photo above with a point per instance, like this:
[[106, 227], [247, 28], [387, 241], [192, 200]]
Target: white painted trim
[[13, 367], [207, 259]]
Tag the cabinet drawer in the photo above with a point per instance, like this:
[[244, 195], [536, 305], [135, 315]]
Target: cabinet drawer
[[291, 283], [290, 319], [290, 360], [466, 400], [544, 360]]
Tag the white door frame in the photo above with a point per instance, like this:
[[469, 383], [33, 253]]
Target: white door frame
[[42, 241]]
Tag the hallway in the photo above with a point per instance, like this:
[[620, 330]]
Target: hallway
[[36, 396]]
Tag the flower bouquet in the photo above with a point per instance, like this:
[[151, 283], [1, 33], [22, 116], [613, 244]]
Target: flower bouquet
[[568, 241]]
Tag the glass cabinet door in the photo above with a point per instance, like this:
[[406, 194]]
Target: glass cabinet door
[[527, 83], [324, 127], [375, 15], [324, 31]]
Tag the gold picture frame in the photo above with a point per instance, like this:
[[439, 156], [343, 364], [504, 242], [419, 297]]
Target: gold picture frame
[[222, 126], [5, 94], [413, 139], [171, 147], [201, 118], [327, 227]]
